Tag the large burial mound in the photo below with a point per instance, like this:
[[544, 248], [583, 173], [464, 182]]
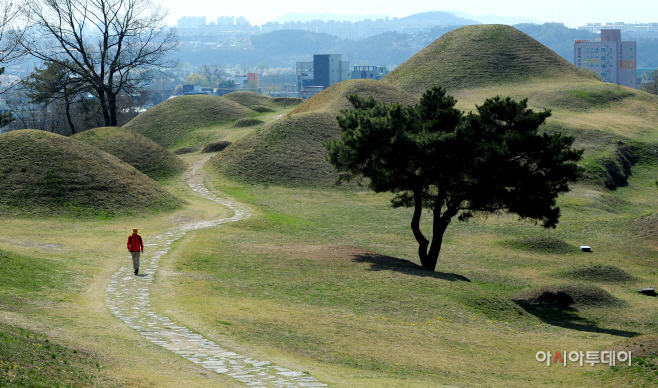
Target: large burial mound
[[476, 56], [171, 121], [44, 173], [290, 151], [614, 124], [138, 151]]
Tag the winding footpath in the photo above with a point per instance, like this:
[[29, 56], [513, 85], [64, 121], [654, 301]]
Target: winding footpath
[[127, 296]]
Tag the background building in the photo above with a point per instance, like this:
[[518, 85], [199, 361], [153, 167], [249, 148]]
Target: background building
[[612, 59], [324, 71]]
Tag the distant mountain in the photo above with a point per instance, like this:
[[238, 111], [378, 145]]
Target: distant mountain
[[495, 19], [325, 16], [436, 18]]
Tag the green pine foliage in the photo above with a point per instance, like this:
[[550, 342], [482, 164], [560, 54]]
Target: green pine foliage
[[433, 156]]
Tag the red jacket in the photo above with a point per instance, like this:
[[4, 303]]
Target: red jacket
[[135, 243]]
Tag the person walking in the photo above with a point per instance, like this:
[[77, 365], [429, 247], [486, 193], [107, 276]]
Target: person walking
[[135, 245]]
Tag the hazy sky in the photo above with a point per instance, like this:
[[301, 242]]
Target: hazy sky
[[572, 13]]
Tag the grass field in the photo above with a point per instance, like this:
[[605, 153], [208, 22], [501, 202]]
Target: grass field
[[329, 280]]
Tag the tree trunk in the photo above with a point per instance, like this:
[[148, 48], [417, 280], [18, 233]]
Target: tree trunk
[[68, 111], [112, 105], [103, 102], [440, 223]]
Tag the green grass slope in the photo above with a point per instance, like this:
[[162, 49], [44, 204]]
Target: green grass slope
[[477, 56], [289, 151], [44, 173], [171, 121], [138, 151]]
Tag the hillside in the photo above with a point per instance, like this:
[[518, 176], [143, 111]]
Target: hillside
[[171, 121], [477, 56], [138, 151], [44, 173], [289, 151]]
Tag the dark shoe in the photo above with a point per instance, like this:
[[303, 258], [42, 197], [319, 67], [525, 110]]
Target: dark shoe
[[137, 270]]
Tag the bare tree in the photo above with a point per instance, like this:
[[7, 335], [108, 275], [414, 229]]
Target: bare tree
[[107, 44], [11, 33]]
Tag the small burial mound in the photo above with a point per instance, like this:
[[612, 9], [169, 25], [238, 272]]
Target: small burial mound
[[567, 295], [597, 273], [138, 151], [542, 244], [478, 56], [257, 101], [44, 173], [171, 121], [289, 151]]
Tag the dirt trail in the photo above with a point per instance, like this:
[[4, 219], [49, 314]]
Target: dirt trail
[[128, 297]]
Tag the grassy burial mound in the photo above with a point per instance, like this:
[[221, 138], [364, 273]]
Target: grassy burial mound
[[614, 124], [44, 173], [290, 151], [477, 56], [171, 121], [259, 102], [138, 151]]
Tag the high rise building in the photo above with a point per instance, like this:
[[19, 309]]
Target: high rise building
[[611, 58]]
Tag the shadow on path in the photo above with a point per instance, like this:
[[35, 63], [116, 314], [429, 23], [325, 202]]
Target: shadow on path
[[388, 263]]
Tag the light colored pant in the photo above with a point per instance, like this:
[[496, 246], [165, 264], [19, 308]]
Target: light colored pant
[[135, 256]]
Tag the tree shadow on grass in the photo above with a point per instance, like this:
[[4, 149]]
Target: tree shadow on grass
[[388, 263], [567, 317]]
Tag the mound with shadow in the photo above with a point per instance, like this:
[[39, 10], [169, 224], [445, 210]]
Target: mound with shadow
[[138, 151], [44, 173], [289, 151], [647, 226], [541, 244], [173, 120], [567, 295], [597, 273]]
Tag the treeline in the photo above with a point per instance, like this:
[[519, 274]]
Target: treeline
[[284, 48]]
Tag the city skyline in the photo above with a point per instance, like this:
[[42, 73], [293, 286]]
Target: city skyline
[[571, 14]]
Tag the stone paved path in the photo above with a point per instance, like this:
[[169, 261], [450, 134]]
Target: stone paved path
[[127, 296]]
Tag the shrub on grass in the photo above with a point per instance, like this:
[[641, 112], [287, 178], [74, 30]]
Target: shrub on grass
[[216, 146], [261, 109], [248, 122]]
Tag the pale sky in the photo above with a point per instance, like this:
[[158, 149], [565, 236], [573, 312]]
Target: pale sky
[[572, 13]]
